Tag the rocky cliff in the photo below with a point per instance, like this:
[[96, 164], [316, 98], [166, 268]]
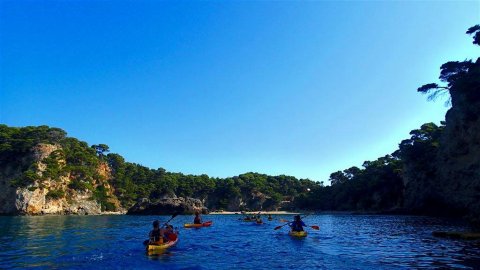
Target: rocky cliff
[[45, 194], [458, 160], [442, 165]]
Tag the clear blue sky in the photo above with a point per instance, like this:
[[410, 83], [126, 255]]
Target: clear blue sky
[[297, 88]]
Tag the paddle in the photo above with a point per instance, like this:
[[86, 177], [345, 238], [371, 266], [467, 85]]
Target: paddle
[[173, 216], [278, 227], [315, 227]]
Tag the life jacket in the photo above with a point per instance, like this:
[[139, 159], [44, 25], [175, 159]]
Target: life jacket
[[297, 226], [155, 235], [171, 236]]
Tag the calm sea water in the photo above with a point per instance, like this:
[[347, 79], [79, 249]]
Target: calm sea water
[[343, 242]]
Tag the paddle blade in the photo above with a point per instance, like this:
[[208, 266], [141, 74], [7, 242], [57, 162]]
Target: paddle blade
[[315, 227], [278, 227]]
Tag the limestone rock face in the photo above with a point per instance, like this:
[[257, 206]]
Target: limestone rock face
[[256, 200], [236, 204], [34, 200], [36, 203], [167, 206]]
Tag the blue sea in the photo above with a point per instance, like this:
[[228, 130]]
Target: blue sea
[[343, 242]]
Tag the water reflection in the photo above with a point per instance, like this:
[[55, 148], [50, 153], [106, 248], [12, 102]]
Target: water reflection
[[344, 241]]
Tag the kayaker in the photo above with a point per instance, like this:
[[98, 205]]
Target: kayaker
[[297, 224], [197, 219], [157, 234], [270, 217], [170, 234]]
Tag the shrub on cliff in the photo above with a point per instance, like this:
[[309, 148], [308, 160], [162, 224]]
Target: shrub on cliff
[[55, 194], [26, 178], [80, 185]]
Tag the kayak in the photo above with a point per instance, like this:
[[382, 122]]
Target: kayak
[[248, 220], [259, 222], [161, 247], [205, 224], [298, 234]]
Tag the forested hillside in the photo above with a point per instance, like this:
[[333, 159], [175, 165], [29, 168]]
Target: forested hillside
[[70, 166]]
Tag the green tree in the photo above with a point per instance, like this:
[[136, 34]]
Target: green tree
[[101, 149]]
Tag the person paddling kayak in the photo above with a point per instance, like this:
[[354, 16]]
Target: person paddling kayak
[[161, 238], [157, 235], [297, 224], [197, 219]]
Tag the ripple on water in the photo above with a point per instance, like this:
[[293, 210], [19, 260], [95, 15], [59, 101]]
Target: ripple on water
[[344, 242]]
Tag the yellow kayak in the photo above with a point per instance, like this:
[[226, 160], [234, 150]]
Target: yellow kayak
[[298, 234], [161, 247]]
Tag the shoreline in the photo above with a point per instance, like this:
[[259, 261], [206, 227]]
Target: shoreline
[[112, 213], [255, 212]]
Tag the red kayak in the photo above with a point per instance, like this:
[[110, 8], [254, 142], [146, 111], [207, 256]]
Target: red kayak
[[205, 224]]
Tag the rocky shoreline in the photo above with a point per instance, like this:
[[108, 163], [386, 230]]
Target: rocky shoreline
[[167, 206]]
